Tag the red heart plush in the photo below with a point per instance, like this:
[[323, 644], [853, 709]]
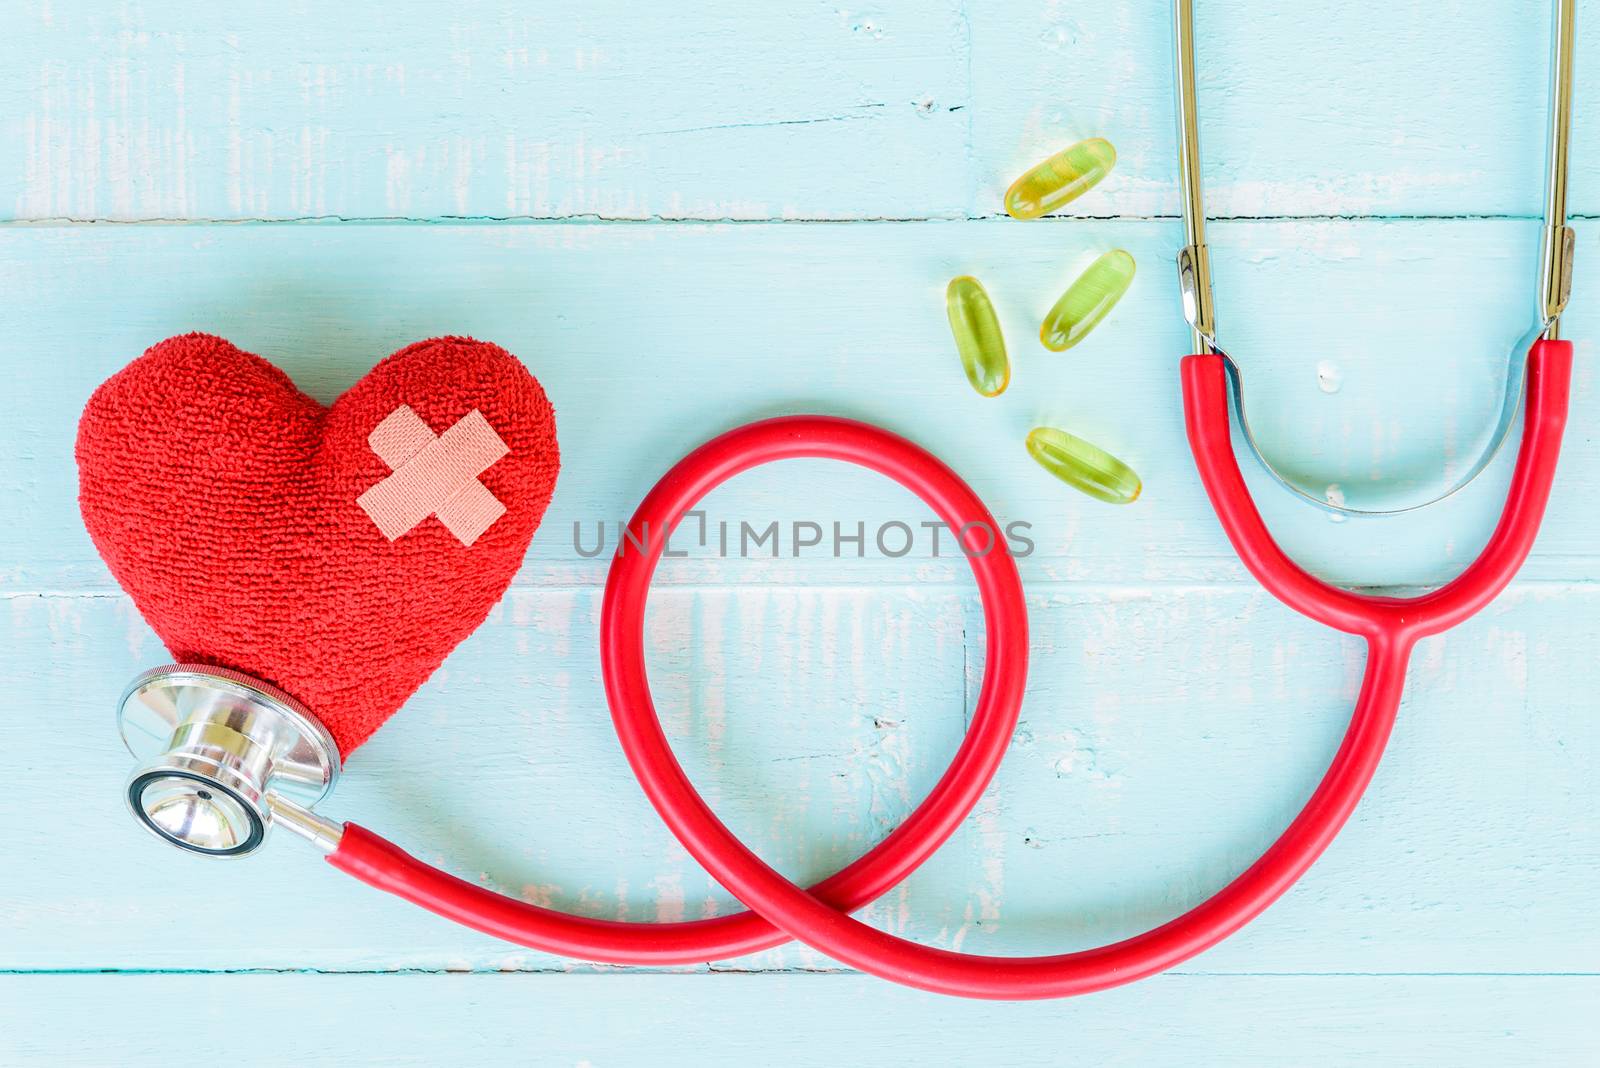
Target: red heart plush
[[225, 502]]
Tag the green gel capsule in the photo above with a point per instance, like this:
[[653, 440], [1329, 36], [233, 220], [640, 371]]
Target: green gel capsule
[[1087, 301], [1061, 179], [978, 337], [1084, 466]]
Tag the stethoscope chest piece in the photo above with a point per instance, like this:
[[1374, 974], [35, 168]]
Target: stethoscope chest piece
[[221, 754]]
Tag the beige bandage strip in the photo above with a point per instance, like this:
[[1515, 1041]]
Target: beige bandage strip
[[434, 475], [400, 436]]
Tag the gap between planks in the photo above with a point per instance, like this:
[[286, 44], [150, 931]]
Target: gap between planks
[[1053, 586], [596, 219], [581, 968]]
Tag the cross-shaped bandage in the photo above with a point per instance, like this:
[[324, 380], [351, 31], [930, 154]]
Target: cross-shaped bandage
[[434, 475]]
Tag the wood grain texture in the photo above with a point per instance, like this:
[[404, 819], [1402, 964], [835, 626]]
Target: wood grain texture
[[685, 220], [892, 109], [1166, 738], [607, 1020], [651, 339]]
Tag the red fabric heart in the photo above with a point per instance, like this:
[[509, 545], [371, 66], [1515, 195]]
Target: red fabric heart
[[224, 501]]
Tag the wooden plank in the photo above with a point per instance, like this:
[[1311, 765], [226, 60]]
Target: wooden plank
[[651, 339], [1166, 738], [606, 1020], [815, 718], [429, 109], [1360, 108], [1381, 166], [422, 109]]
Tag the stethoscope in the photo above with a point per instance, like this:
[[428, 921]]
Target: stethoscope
[[226, 757]]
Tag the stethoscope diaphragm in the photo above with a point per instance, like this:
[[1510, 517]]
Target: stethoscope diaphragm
[[220, 753]]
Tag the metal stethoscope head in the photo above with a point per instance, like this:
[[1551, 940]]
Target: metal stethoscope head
[[1555, 258], [224, 757]]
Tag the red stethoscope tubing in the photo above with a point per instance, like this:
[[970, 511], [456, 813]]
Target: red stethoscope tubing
[[1397, 620], [1391, 627], [385, 866]]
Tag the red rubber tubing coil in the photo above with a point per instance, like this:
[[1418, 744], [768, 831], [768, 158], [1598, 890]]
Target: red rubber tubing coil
[[1390, 625]]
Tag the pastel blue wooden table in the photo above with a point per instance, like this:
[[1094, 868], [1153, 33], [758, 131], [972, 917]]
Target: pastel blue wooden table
[[682, 218]]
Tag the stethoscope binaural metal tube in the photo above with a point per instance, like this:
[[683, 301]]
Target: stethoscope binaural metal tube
[[1554, 279], [1194, 266], [1558, 240]]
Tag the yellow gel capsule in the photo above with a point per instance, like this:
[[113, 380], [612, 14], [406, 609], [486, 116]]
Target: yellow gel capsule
[[1087, 301], [1084, 466], [1061, 179], [978, 337]]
